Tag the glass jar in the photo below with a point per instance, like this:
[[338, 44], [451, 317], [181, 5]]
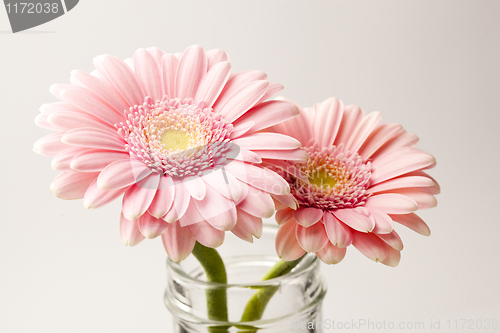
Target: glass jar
[[295, 306]]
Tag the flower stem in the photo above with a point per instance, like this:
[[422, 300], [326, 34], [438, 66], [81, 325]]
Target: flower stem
[[257, 304], [215, 271]]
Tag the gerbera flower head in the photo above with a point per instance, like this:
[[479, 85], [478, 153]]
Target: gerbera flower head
[[360, 177], [180, 137]]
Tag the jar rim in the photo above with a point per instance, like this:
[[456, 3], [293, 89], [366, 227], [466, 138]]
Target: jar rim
[[307, 264]]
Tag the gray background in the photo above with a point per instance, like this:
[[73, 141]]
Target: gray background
[[432, 66]]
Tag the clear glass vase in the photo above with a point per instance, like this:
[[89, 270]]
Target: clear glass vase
[[296, 302]]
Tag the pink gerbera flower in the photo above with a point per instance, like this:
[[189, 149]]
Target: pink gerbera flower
[[178, 135], [361, 177]]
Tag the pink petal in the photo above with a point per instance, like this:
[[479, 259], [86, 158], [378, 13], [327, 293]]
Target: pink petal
[[396, 143], [122, 173], [402, 182], [169, 65], [363, 130], [247, 226], [224, 183], [56, 89], [260, 178], [241, 129], [339, 234], [392, 257], [268, 114], [98, 75], [162, 202], [423, 199], [433, 189], [284, 215], [278, 204], [357, 218], [180, 203], [392, 203], [150, 226], [399, 163], [331, 254], [313, 238], [285, 201], [412, 221], [370, 245], [245, 188], [157, 54], [217, 210], [216, 56], [206, 235], [272, 90], [92, 104], [94, 138], [72, 185], [298, 127], [148, 73], [50, 145], [96, 197], [383, 222], [139, 196], [267, 141], [306, 217], [129, 232], [234, 84], [121, 77], [67, 120], [102, 89], [95, 160], [257, 203], [243, 100], [353, 115], [287, 246], [248, 156], [327, 120], [62, 161], [393, 240], [47, 110], [234, 152], [130, 63], [225, 220], [289, 155], [195, 186], [191, 70], [212, 84], [378, 138], [191, 216], [59, 106], [41, 120], [178, 242]]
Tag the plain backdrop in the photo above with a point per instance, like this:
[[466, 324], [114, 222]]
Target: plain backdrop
[[432, 66]]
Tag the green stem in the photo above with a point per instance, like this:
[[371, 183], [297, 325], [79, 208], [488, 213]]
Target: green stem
[[215, 271], [257, 304]]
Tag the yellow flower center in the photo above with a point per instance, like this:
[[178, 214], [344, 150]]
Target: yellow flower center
[[322, 178], [337, 179], [174, 139]]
